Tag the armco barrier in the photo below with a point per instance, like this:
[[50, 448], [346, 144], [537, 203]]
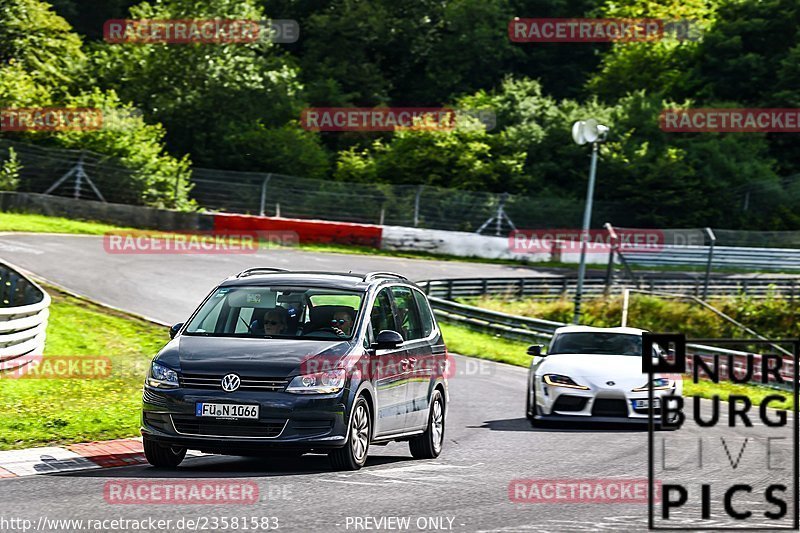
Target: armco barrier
[[308, 231], [24, 309], [564, 286], [536, 330]]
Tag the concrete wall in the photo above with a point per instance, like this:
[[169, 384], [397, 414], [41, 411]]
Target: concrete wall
[[133, 216], [399, 238]]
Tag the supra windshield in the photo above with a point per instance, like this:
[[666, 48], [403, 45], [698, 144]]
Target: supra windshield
[[597, 343], [278, 312]]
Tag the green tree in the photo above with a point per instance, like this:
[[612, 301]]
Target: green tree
[[9, 172], [204, 93], [42, 64]]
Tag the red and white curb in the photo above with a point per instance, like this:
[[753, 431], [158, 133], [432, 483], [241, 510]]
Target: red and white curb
[[73, 458]]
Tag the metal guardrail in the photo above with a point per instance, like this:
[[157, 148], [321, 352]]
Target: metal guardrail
[[24, 310], [533, 330], [560, 286], [723, 256]]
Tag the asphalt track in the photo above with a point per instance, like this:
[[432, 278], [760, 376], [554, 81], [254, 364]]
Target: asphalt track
[[488, 444]]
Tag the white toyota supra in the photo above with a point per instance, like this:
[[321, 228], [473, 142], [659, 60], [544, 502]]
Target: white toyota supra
[[594, 374]]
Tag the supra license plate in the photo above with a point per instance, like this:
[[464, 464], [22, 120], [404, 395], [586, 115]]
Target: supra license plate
[[226, 410], [642, 404]]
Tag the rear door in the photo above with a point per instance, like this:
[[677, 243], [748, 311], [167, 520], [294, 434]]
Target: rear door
[[388, 370], [417, 360]]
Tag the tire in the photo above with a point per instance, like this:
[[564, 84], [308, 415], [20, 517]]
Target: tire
[[429, 444], [528, 411], [353, 454], [163, 456], [531, 412]]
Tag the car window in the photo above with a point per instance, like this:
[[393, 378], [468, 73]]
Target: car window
[[381, 314], [278, 311], [425, 314], [597, 343], [407, 315]]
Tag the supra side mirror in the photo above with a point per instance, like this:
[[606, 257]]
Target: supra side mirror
[[173, 330], [535, 350], [387, 339]]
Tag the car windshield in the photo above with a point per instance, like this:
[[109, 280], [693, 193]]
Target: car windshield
[[597, 343], [278, 312]]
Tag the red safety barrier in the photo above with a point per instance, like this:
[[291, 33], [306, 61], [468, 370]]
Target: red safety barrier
[[320, 231]]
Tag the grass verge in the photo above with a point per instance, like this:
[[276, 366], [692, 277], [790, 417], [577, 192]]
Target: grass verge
[[40, 412], [44, 224], [464, 341]]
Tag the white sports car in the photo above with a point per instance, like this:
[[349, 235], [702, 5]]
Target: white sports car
[[594, 374]]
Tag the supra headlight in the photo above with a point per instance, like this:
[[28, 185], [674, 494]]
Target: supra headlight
[[162, 377], [658, 384], [318, 382], [557, 380]]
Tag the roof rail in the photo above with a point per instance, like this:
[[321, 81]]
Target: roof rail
[[250, 271], [373, 275]]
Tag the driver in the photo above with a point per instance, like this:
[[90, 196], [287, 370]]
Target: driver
[[631, 346], [274, 322], [342, 323]]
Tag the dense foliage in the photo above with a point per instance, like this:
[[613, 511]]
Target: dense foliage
[[237, 106]]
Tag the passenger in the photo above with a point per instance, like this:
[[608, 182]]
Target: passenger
[[275, 322], [342, 323]]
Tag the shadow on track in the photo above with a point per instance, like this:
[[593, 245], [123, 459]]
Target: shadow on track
[[223, 466], [522, 424]]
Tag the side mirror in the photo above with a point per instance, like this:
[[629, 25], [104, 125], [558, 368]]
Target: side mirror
[[175, 329], [387, 339], [535, 350]]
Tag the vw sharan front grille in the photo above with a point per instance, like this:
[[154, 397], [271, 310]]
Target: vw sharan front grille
[[214, 382]]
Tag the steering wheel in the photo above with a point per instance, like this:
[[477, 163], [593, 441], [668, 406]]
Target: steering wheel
[[325, 329]]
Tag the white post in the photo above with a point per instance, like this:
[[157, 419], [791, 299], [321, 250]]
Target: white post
[[626, 294]]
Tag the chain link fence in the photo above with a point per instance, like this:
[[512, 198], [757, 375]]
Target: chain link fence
[[87, 175]]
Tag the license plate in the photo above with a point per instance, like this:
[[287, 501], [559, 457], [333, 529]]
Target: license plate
[[226, 410], [642, 404]]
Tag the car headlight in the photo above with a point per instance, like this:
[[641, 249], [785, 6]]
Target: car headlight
[[557, 380], [318, 382], [162, 377], [658, 384]]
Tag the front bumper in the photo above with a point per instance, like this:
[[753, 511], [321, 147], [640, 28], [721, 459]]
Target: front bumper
[[286, 421], [616, 405]]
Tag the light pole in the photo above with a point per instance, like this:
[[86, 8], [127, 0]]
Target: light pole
[[586, 131]]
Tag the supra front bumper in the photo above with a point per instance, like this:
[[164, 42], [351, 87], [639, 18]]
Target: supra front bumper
[[608, 403], [286, 421]]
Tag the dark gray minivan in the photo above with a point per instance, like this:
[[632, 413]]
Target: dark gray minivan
[[288, 362]]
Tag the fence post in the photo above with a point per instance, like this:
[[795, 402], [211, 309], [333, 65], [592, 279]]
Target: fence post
[[383, 214], [521, 288], [610, 268], [262, 211], [449, 289], [416, 205], [713, 239]]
